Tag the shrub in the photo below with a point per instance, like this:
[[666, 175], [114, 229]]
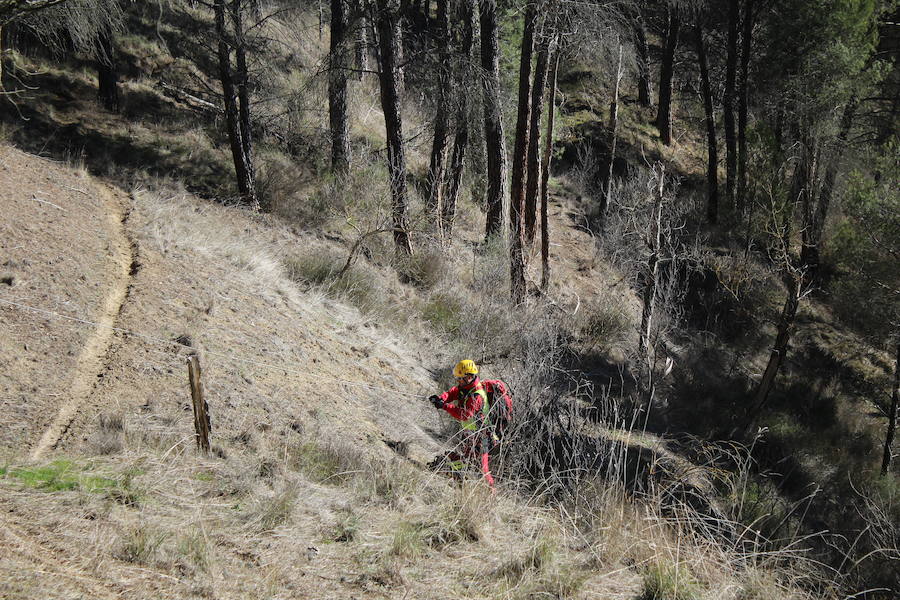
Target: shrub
[[271, 511], [669, 581], [347, 527], [408, 540], [322, 270], [604, 324], [141, 544], [445, 313], [324, 462]]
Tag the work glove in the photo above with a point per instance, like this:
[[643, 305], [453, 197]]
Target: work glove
[[436, 400]]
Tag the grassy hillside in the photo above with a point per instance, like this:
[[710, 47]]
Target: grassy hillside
[[123, 253]]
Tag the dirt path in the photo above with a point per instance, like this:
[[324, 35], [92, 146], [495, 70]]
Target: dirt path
[[90, 359]]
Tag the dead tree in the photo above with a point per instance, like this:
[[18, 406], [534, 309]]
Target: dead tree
[[545, 175], [534, 153]]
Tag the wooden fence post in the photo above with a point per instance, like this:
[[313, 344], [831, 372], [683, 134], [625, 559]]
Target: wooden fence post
[[201, 409]]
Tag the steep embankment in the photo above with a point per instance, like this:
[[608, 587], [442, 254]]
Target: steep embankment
[[108, 335], [314, 487]]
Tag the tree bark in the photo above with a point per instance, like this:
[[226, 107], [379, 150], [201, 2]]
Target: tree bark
[[461, 138], [892, 418], [712, 167], [337, 89], [743, 98], [534, 140], [520, 166], [645, 94], [244, 174], [667, 71], [360, 32], [435, 183], [728, 100], [390, 78], [614, 137], [545, 176], [107, 72], [495, 144]]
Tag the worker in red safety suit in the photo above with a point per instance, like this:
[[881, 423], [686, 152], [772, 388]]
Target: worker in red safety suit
[[467, 402]]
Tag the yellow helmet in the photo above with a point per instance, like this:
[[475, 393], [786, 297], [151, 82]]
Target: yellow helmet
[[465, 367]]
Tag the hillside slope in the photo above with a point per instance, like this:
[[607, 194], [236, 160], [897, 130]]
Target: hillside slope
[[315, 487]]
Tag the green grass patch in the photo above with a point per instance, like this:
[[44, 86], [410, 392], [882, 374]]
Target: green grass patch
[[444, 313], [61, 475]]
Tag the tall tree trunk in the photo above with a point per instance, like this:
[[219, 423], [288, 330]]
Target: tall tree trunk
[[652, 270], [107, 72], [338, 59], [728, 100], [242, 76], [360, 34], [534, 140], [520, 166], [545, 175], [645, 94], [390, 78], [495, 144], [461, 139], [435, 184], [892, 418], [712, 167], [809, 252], [667, 72], [779, 348], [243, 173], [743, 98], [614, 138]]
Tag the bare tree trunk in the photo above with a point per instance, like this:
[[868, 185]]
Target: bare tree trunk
[[667, 72], [545, 177], [520, 166], [645, 94], [461, 139], [495, 144], [779, 348], [361, 40], [712, 167], [242, 75], [390, 78], [337, 89], [892, 418], [534, 140], [243, 173], [435, 185], [614, 138], [728, 101], [649, 296], [107, 72], [743, 97]]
